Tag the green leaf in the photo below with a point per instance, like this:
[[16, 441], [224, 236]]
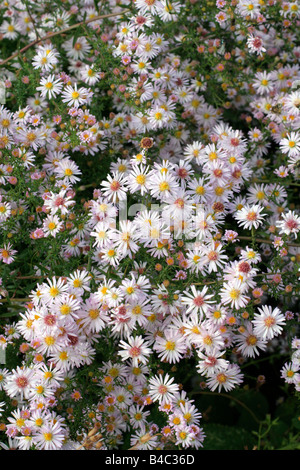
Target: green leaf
[[222, 437]]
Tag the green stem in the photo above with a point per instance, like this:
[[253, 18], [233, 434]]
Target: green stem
[[62, 31], [256, 361], [15, 300], [268, 242], [253, 237]]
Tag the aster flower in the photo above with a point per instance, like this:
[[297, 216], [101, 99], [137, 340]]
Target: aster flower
[[227, 379], [7, 254], [170, 347], [255, 44], [92, 316], [142, 440], [248, 344], [199, 189], [138, 416], [13, 444], [136, 349], [184, 436], [5, 211], [52, 290], [144, 6], [250, 216], [89, 75], [110, 255], [213, 257], [233, 293], [79, 281], [210, 338], [45, 59], [102, 233], [50, 86], [289, 223], [170, 283], [9, 30], [292, 102], [52, 225], [139, 311], [190, 413], [77, 50], [4, 373], [162, 388], [250, 255], [74, 96], [19, 382], [2, 405], [291, 144], [125, 239], [50, 437], [263, 82], [289, 372], [59, 202], [138, 179], [211, 362], [115, 187], [197, 301], [268, 322], [121, 322], [68, 170], [50, 374]]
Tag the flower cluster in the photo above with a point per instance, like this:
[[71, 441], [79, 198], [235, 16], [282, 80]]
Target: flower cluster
[[290, 370], [149, 220]]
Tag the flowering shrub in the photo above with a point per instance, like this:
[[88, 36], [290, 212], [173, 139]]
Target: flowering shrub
[[149, 219]]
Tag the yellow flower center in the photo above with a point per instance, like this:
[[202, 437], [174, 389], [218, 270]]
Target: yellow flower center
[[65, 309], [94, 313], [164, 186], [170, 345], [63, 356], [234, 294], [77, 283], [141, 179], [53, 291], [49, 340]]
